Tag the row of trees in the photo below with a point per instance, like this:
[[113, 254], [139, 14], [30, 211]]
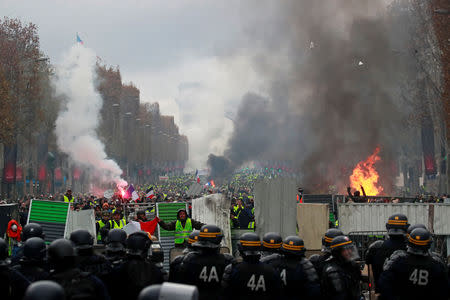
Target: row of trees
[[144, 142]]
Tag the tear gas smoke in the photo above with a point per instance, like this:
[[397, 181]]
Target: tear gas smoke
[[78, 119], [331, 98]]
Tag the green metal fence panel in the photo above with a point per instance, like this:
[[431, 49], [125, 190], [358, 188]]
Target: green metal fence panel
[[168, 213], [51, 215]]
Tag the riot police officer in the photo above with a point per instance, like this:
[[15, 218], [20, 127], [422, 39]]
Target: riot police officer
[[175, 264], [297, 274], [271, 244], [412, 227], [44, 289], [30, 230], [414, 273], [86, 259], [318, 261], [204, 267], [136, 272], [5, 282], [76, 284], [32, 266], [116, 245], [379, 251], [250, 279], [341, 273]]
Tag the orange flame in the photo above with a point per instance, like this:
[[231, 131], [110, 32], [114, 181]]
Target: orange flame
[[366, 176]]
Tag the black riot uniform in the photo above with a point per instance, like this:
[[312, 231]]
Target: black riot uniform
[[341, 273], [318, 261], [298, 276], [136, 272], [380, 251], [271, 243], [44, 289], [5, 282], [32, 266], [86, 259], [76, 284], [415, 273], [116, 242], [204, 267], [250, 279], [30, 230], [175, 264]]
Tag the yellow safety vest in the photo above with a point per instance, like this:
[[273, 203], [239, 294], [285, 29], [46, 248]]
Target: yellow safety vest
[[113, 224], [182, 233], [66, 199], [100, 226]]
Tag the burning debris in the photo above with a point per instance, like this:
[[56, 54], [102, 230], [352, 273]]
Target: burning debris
[[366, 175]]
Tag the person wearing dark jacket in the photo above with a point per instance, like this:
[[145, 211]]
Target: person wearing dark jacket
[[182, 227], [136, 272], [32, 266]]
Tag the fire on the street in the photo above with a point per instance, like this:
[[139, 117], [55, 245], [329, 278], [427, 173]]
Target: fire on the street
[[365, 175]]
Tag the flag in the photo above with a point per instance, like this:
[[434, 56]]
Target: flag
[[79, 40], [134, 226], [197, 176], [149, 226], [150, 193], [131, 193]]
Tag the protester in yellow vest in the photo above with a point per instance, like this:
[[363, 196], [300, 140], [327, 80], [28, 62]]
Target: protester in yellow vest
[[100, 226], [182, 227], [68, 196], [116, 222]]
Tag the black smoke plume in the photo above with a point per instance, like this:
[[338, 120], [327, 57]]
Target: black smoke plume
[[331, 99]]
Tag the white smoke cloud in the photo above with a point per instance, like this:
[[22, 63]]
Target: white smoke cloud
[[77, 122]]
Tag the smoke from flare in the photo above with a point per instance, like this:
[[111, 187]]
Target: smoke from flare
[[366, 175], [77, 122]]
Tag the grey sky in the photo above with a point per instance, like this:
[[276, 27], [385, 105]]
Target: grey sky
[[162, 46], [197, 58]]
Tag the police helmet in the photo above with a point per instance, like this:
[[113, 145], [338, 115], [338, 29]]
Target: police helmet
[[34, 249], [116, 240], [193, 237], [342, 248], [3, 250], [397, 224], [412, 227], [249, 244], [329, 236], [419, 241], [138, 243], [209, 236], [61, 253], [293, 245], [32, 230], [169, 290], [272, 242], [44, 289], [82, 239]]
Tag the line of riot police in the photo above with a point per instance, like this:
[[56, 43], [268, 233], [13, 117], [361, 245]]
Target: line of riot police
[[402, 267]]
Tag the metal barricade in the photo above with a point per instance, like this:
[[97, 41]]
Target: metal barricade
[[363, 239]]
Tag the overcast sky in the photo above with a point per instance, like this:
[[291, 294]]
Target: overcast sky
[[194, 57], [190, 56]]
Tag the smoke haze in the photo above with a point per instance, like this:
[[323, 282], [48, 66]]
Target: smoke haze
[[331, 79], [78, 120]]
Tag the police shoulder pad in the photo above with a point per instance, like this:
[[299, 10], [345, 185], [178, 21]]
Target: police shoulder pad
[[376, 245], [395, 257], [229, 258], [314, 258]]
